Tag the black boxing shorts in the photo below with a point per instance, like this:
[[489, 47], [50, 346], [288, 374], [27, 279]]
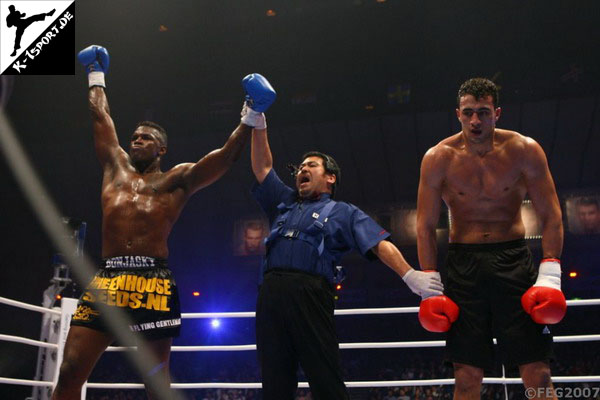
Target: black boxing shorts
[[487, 281], [141, 286]]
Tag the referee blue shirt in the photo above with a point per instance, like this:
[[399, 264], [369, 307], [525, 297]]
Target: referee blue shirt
[[347, 228]]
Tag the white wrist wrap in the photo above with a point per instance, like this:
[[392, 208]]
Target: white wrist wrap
[[96, 78], [253, 118], [549, 275]]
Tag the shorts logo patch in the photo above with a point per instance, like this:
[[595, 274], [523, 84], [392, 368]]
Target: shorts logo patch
[[130, 262], [129, 290], [84, 313], [546, 331]]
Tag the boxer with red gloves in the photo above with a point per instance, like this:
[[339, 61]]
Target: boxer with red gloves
[[493, 287]]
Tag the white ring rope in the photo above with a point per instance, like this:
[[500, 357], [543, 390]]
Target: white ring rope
[[38, 343], [249, 347], [251, 314], [358, 311], [351, 346], [30, 307], [352, 384]]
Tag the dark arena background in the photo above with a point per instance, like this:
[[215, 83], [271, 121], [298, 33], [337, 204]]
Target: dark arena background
[[371, 82]]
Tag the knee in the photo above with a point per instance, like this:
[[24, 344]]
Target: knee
[[70, 375], [536, 374], [467, 378]]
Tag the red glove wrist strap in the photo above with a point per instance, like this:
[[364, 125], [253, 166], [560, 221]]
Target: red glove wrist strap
[[551, 260]]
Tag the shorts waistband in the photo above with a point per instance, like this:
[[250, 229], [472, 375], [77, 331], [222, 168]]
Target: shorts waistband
[[477, 247], [133, 262]]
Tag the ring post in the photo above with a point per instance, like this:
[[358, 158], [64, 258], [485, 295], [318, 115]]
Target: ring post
[[68, 306]]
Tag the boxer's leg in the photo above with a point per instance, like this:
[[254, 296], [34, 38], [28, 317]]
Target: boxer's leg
[[161, 349], [83, 348]]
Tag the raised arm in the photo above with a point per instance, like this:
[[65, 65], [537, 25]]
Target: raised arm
[[262, 95], [428, 207], [262, 159], [105, 135], [214, 165], [210, 168], [542, 192], [96, 61]]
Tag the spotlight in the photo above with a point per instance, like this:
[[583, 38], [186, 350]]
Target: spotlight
[[215, 323], [58, 297], [338, 287], [196, 294], [573, 274]]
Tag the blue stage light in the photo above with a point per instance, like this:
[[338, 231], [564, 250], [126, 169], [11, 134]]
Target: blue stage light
[[215, 323]]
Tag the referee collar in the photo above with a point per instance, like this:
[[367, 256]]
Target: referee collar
[[321, 197]]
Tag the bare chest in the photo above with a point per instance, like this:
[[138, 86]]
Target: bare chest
[[129, 193], [488, 179]]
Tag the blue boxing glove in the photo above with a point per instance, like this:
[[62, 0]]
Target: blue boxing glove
[[260, 93], [95, 59]]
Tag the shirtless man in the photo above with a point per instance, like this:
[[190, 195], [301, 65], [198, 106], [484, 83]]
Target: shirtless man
[[140, 204], [483, 174]]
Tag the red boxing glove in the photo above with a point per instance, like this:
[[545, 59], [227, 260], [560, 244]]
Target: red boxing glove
[[437, 313], [544, 301]]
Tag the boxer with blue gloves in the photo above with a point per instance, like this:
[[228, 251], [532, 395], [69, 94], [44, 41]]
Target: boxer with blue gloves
[[140, 204], [494, 289]]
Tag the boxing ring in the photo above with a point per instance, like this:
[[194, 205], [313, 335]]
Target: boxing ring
[[59, 318], [68, 305]]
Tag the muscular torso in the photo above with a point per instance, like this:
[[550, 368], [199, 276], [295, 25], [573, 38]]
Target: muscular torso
[[484, 192], [139, 210]]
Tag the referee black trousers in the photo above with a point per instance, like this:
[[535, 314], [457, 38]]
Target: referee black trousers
[[294, 326]]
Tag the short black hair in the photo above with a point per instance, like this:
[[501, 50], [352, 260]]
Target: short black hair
[[154, 125], [588, 201], [479, 88], [330, 165]]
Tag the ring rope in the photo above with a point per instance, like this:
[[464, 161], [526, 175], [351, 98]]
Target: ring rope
[[358, 311], [30, 307], [343, 346], [364, 345], [32, 342], [352, 384], [250, 314]]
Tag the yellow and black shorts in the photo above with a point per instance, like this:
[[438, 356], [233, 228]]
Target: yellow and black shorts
[[142, 287]]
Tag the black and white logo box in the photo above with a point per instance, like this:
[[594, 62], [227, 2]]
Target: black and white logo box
[[37, 37]]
